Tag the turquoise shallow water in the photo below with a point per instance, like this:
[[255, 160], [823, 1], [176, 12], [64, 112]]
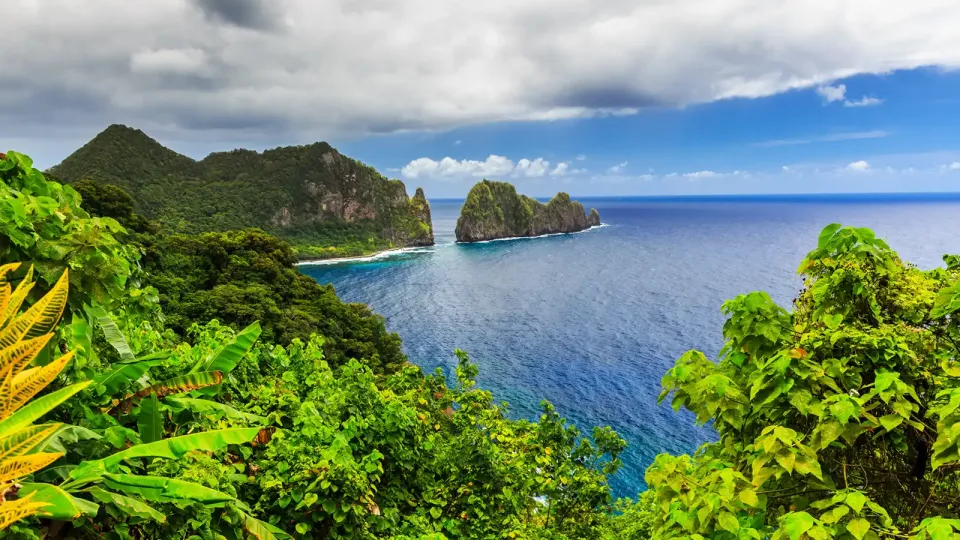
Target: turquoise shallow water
[[590, 321]]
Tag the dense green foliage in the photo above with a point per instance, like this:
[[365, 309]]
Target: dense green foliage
[[241, 277], [42, 222], [840, 419], [495, 210], [327, 204], [346, 439]]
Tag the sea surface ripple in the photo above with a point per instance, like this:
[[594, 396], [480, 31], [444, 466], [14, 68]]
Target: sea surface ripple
[[591, 321]]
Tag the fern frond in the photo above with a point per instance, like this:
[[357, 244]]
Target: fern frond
[[25, 385], [20, 466], [25, 440], [16, 300], [13, 511], [20, 355], [40, 318], [47, 314], [6, 269]]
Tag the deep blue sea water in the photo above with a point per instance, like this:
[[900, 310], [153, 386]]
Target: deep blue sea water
[[590, 321]]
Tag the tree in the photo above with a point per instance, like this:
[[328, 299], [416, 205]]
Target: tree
[[838, 419]]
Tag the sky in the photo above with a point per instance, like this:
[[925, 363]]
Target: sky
[[619, 97]]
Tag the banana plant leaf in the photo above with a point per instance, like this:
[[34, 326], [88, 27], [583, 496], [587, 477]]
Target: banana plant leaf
[[171, 448]]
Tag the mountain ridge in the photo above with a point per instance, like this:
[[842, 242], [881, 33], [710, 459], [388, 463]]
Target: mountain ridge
[[325, 203]]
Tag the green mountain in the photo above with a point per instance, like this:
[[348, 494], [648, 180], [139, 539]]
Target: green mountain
[[495, 210], [324, 203]]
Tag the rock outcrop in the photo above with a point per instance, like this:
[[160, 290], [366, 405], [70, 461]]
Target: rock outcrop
[[495, 210]]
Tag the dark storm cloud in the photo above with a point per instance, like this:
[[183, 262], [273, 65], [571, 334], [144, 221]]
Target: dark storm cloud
[[253, 14], [604, 98]]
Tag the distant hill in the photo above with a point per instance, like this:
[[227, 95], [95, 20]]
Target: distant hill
[[324, 203], [495, 210]]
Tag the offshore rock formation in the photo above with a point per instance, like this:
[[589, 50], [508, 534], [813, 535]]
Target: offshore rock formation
[[311, 194], [495, 210]]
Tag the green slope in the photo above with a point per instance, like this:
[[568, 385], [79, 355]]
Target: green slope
[[325, 203]]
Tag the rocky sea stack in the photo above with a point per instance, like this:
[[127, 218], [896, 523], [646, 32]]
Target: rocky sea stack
[[495, 210]]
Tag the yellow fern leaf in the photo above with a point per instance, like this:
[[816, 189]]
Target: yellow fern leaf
[[13, 511], [47, 314], [25, 385], [16, 300], [40, 318], [20, 466], [6, 269], [20, 355], [25, 440], [4, 300]]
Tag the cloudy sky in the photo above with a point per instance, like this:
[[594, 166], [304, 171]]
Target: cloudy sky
[[591, 97]]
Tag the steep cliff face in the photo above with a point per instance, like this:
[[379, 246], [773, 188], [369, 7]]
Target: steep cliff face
[[325, 203], [495, 210]]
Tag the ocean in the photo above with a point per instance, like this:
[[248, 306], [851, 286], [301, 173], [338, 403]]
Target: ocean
[[591, 321]]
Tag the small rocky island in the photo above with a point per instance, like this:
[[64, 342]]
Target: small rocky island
[[495, 210]]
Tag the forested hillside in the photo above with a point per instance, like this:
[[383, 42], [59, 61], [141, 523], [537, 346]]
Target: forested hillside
[[323, 202]]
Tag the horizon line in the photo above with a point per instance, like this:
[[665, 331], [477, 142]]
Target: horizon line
[[875, 194]]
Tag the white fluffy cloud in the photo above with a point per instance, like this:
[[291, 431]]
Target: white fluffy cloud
[[167, 61], [833, 93], [618, 168], [343, 67], [955, 166], [492, 168], [560, 170], [701, 174], [839, 93], [859, 166], [865, 101], [448, 167]]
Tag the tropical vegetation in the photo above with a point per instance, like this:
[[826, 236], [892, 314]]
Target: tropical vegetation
[[160, 385]]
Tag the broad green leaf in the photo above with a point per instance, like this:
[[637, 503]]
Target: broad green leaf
[[171, 448], [749, 498], [128, 505], [827, 234], [797, 523], [262, 530], [61, 505], [37, 408], [160, 489], [856, 500], [185, 383], [891, 421], [946, 449], [728, 522], [833, 321], [150, 421], [206, 406], [858, 527], [112, 333], [125, 374], [842, 411], [230, 355], [67, 435]]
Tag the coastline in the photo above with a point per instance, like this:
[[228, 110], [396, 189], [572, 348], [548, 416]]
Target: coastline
[[386, 253], [359, 258], [592, 227]]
